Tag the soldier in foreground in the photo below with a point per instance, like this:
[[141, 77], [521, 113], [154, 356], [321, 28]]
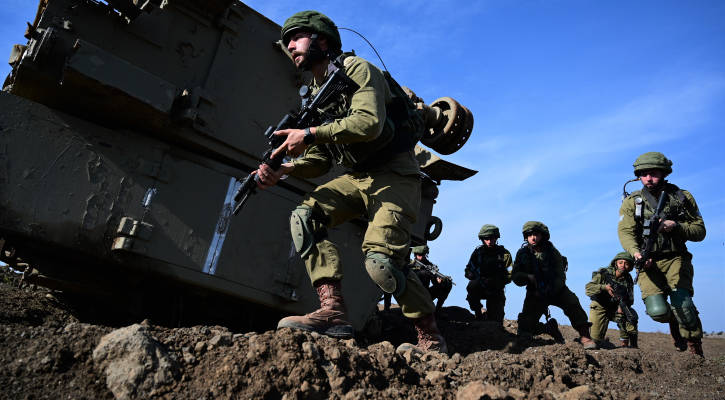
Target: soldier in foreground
[[665, 266], [541, 268], [488, 272], [612, 292], [382, 184], [438, 285]]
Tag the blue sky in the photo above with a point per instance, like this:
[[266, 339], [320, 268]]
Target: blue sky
[[565, 94]]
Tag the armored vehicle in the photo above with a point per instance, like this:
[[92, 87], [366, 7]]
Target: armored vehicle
[[125, 126]]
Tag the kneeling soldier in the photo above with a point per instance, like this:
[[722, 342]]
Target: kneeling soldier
[[488, 272], [612, 292], [542, 269], [438, 285]]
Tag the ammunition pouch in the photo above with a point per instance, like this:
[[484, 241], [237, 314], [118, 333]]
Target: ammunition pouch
[[402, 129], [384, 273], [307, 228], [684, 309], [657, 308]]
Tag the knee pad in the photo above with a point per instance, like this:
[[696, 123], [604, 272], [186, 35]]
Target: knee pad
[[657, 308], [383, 272], [307, 228], [684, 309]]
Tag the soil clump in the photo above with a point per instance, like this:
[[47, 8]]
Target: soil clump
[[47, 352]]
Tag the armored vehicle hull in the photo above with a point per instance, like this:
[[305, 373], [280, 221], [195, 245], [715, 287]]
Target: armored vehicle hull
[[124, 129]]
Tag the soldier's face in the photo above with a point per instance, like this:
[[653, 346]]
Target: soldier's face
[[651, 178], [298, 45], [489, 241], [534, 238], [623, 265]]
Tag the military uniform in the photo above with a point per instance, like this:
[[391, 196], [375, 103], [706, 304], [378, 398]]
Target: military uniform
[[381, 184], [437, 290], [603, 307], [488, 272], [548, 267], [672, 272], [388, 194]]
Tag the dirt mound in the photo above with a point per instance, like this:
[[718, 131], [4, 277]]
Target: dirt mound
[[47, 353]]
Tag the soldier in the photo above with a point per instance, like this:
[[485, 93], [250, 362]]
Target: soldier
[[668, 270], [381, 183], [541, 267], [439, 285], [605, 307], [488, 272]]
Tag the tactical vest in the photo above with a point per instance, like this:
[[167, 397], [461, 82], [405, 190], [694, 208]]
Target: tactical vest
[[490, 263], [604, 298], [674, 209], [402, 129]]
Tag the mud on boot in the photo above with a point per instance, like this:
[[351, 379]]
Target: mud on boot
[[330, 319], [429, 337], [587, 342], [694, 346]]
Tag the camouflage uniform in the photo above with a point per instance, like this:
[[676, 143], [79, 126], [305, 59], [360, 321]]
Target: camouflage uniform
[[437, 290], [549, 267], [603, 307], [488, 272], [672, 272]]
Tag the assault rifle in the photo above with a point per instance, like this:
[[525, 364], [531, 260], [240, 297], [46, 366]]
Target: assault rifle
[[309, 115], [433, 269], [650, 233], [621, 293]]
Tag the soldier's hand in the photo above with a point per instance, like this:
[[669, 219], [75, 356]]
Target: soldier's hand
[[667, 226], [610, 290], [293, 145], [269, 177], [619, 310], [647, 264]]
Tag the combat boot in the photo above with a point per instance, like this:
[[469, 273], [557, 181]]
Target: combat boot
[[633, 341], [694, 346], [330, 319], [587, 342], [551, 327], [429, 337], [677, 340]]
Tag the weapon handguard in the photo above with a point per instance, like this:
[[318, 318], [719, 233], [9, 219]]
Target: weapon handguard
[[309, 115]]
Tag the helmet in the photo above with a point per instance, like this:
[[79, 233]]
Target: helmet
[[623, 256], [652, 160], [536, 226], [421, 250], [313, 21], [489, 230]]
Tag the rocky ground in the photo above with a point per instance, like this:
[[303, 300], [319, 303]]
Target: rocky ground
[[46, 352]]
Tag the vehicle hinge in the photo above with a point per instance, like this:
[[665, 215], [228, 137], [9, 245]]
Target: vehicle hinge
[[132, 236]]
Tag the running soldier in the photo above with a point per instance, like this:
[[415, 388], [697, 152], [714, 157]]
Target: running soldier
[[666, 268]]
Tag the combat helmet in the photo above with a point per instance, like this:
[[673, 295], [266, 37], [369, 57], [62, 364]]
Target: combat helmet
[[313, 21], [489, 230], [536, 226], [623, 256], [652, 160], [420, 250]]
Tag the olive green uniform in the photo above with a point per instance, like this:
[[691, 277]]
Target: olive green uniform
[[488, 272], [549, 267], [385, 191], [672, 269], [603, 307]]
